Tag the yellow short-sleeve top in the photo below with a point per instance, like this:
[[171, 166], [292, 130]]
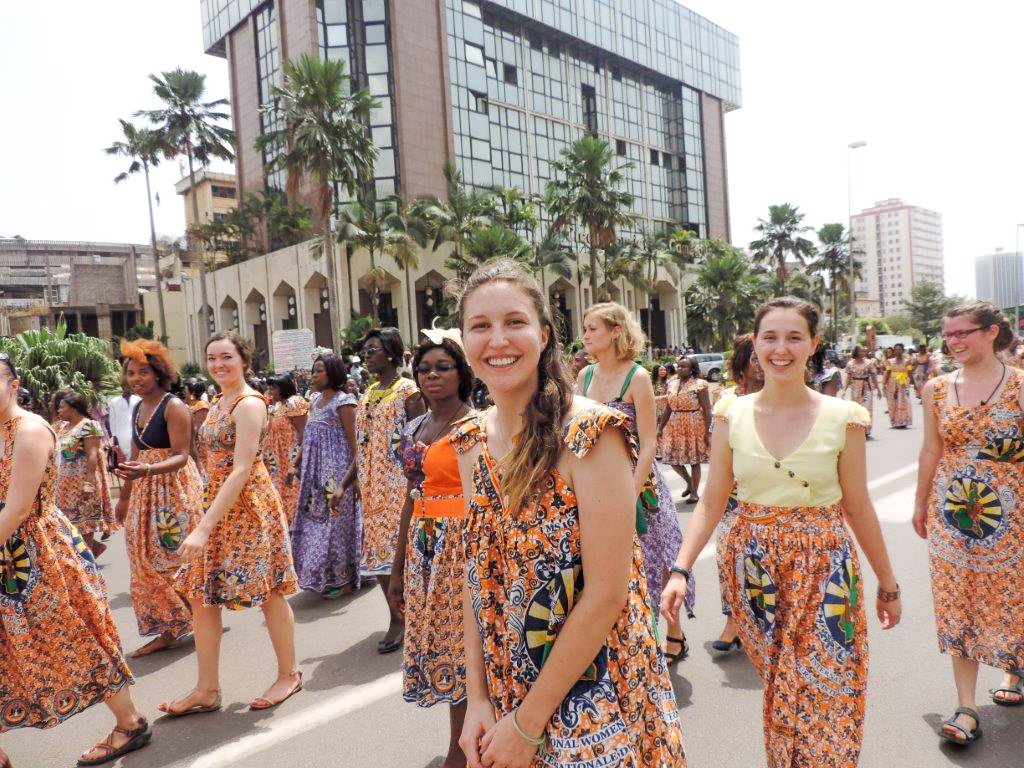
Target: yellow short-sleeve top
[[809, 476]]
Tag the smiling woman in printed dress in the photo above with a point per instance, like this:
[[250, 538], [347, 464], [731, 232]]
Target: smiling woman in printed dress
[[797, 458], [61, 651], [969, 492], [238, 555], [162, 498], [562, 664]]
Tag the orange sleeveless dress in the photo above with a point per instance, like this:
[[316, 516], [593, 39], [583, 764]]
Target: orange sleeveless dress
[[59, 648], [248, 556]]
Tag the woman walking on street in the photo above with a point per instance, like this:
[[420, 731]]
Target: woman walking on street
[[429, 568], [162, 497], [861, 383], [287, 413], [745, 370], [798, 460], [683, 428], [326, 532], [384, 410], [614, 339], [238, 555], [61, 651], [968, 506], [557, 673], [921, 371], [897, 389], [83, 491]]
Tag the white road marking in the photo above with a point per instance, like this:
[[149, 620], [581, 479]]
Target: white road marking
[[293, 725]]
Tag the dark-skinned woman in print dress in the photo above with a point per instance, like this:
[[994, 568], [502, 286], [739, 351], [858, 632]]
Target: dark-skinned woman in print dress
[[61, 651], [969, 491]]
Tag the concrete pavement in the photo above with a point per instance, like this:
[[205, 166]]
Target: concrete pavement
[[351, 712]]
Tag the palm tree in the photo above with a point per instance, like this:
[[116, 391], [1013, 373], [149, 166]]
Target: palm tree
[[514, 211], [552, 252], [455, 219], [833, 262], [486, 243], [380, 229], [586, 194], [143, 147], [325, 137], [189, 126], [725, 294], [781, 237]]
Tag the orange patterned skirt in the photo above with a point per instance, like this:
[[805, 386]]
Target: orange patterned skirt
[[162, 511], [59, 648], [793, 583], [248, 556], [89, 513], [684, 439]]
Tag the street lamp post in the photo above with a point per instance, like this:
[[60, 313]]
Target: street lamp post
[[849, 236], [1020, 288]]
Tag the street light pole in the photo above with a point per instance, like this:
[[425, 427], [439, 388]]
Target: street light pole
[[1020, 288], [849, 236]]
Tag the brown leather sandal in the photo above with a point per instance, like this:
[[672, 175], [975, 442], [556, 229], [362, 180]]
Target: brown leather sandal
[[262, 702], [195, 709], [138, 737]]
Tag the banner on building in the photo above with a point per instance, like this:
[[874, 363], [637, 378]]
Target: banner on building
[[293, 349]]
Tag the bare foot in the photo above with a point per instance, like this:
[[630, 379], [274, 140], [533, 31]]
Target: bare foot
[[194, 701], [1009, 681], [281, 689], [162, 642]]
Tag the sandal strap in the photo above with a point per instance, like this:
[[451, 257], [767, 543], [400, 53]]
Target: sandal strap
[[967, 711]]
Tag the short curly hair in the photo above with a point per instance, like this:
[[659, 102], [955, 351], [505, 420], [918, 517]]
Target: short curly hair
[[156, 356]]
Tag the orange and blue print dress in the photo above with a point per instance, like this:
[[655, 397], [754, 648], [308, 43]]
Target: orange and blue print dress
[[525, 574], [793, 584], [434, 660], [60, 648], [976, 527]]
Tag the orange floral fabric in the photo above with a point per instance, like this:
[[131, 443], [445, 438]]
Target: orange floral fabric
[[162, 511], [90, 512], [200, 406], [380, 425], [897, 395], [859, 383], [976, 528], [525, 572], [684, 438], [794, 589], [59, 648], [247, 557], [282, 449]]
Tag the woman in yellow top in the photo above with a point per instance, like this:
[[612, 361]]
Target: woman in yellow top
[[798, 460]]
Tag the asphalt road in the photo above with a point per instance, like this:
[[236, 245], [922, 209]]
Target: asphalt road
[[351, 712]]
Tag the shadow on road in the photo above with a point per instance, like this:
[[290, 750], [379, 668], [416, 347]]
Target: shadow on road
[[1000, 746], [357, 664], [739, 672]]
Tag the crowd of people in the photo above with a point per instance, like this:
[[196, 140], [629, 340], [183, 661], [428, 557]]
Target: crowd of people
[[527, 550]]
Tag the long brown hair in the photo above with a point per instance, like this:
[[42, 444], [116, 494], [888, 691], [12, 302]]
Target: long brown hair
[[538, 445], [986, 314]]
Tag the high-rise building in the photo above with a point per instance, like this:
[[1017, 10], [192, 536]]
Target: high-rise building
[[999, 278], [500, 89], [900, 246]]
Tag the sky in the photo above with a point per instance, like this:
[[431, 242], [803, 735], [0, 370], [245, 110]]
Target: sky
[[934, 88]]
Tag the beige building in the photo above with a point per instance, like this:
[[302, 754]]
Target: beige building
[[216, 196], [901, 247], [500, 95]]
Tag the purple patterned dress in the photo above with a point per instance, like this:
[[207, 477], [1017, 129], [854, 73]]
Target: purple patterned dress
[[326, 537]]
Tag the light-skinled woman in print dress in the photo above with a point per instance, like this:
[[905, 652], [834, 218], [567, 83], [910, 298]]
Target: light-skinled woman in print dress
[[798, 460], [614, 339], [384, 410], [429, 568], [683, 427], [61, 651], [162, 497], [562, 664], [238, 556], [969, 494]]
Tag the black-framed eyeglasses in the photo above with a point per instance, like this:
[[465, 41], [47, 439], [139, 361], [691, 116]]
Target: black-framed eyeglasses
[[369, 351], [442, 367], [961, 335]]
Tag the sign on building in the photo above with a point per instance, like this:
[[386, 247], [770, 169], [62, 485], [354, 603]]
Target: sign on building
[[293, 349]]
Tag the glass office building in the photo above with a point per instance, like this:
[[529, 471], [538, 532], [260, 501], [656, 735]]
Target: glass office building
[[501, 88]]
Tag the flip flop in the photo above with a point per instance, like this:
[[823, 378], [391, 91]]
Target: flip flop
[[969, 736], [1017, 688], [262, 702], [195, 709], [138, 737]]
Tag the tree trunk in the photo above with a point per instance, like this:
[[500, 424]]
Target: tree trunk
[[162, 336], [409, 294], [205, 315], [593, 274], [374, 290], [327, 251]]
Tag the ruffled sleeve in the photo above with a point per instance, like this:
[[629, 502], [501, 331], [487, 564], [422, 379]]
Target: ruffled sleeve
[[721, 410], [296, 406], [467, 433], [345, 399], [582, 431], [90, 428], [857, 415]]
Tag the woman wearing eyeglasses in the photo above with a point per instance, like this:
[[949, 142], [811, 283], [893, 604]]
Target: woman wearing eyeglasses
[[384, 411], [897, 389], [969, 488]]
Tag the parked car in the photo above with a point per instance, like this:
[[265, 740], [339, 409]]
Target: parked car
[[711, 364]]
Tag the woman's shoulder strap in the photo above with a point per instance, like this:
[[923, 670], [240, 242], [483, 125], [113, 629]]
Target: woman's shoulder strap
[[629, 380], [588, 376], [468, 432], [241, 396], [586, 426]]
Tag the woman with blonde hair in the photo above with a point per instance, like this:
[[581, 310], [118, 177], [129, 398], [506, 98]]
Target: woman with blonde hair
[[562, 664], [969, 488], [162, 498], [614, 339]]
